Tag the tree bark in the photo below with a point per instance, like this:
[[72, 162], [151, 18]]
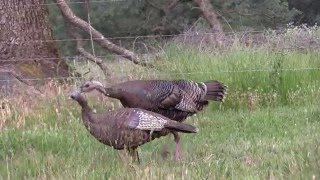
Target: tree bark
[[27, 47], [96, 35]]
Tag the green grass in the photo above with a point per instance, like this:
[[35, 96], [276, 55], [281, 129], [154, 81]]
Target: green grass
[[277, 135], [281, 142], [261, 72]]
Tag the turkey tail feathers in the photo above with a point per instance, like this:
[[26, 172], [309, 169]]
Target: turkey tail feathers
[[181, 127], [215, 90]]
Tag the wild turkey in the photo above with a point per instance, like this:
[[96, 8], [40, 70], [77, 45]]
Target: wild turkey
[[175, 99], [127, 128]]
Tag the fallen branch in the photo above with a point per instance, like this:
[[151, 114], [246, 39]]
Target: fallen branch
[[74, 34], [103, 66], [96, 35]]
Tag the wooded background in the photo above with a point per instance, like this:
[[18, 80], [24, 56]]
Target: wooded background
[[120, 18]]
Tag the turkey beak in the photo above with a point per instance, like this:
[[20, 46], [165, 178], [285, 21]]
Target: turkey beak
[[74, 94]]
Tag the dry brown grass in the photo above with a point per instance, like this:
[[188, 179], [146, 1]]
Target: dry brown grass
[[19, 105], [15, 108]]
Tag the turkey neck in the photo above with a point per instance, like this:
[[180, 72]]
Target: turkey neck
[[112, 92], [101, 89], [109, 91], [86, 110]]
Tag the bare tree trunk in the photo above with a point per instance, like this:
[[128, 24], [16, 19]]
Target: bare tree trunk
[[96, 35], [27, 49], [212, 18]]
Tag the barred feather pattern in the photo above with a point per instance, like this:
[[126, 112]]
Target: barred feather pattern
[[190, 94], [147, 121], [195, 90], [161, 89], [193, 93]]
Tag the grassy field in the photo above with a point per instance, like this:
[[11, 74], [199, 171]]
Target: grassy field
[[268, 127]]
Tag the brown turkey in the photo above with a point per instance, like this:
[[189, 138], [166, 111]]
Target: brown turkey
[[176, 99], [127, 128]]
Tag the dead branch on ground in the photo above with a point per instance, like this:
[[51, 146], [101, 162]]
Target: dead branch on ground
[[97, 36], [103, 66], [79, 47]]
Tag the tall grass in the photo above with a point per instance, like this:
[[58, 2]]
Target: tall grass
[[268, 75], [280, 142]]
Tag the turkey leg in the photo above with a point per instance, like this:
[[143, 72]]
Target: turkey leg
[[177, 140]]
